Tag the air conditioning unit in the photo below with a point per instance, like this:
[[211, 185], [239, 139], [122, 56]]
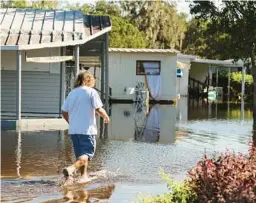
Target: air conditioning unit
[[129, 90]]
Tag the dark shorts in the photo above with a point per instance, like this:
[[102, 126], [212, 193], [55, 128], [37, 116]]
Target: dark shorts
[[84, 145]]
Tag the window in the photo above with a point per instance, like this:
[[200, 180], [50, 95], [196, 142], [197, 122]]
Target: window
[[148, 67]]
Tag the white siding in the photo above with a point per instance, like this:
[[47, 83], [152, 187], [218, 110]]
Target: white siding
[[8, 60], [122, 73], [40, 83], [182, 83]]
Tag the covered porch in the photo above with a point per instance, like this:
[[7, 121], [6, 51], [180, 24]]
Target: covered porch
[[42, 52], [202, 71]]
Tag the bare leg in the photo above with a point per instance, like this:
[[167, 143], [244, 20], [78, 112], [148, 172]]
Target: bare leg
[[84, 175], [81, 162], [83, 168]]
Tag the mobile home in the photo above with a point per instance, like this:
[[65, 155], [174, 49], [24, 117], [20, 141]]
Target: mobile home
[[156, 68]]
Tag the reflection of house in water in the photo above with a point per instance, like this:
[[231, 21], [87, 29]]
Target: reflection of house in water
[[31, 157], [156, 126], [122, 124], [149, 129], [182, 110]]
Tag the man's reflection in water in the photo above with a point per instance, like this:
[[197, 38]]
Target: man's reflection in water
[[82, 195]]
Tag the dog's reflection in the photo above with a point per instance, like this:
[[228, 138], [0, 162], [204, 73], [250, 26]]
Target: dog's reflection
[[84, 196]]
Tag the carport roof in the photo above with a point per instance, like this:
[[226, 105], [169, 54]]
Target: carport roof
[[227, 63], [23, 29], [141, 50]]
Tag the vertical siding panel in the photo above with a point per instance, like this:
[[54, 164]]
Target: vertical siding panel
[[40, 92]]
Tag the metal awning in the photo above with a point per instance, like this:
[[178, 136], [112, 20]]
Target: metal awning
[[24, 29], [90, 61], [228, 63], [183, 65], [140, 50]]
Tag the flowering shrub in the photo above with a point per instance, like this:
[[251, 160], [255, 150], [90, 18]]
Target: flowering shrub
[[230, 178]]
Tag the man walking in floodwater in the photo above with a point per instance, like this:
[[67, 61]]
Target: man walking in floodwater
[[79, 111]]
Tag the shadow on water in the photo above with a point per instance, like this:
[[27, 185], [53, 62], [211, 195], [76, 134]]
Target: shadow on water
[[134, 145]]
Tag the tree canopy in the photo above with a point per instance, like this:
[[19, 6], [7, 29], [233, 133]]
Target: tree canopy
[[162, 25], [39, 4], [230, 31]]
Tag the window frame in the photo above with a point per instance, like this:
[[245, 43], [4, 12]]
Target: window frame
[[148, 61]]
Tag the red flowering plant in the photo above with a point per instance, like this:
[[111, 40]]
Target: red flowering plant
[[228, 178]]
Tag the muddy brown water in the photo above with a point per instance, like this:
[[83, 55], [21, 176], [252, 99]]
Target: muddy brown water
[[128, 156]]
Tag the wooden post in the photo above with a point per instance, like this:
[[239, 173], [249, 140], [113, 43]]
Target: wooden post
[[106, 74], [62, 80], [77, 69], [102, 71], [18, 86], [243, 82]]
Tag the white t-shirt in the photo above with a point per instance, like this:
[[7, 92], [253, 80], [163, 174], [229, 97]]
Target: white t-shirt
[[80, 105]]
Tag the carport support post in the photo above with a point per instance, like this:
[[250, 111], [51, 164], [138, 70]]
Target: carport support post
[[217, 76], [243, 82], [106, 74], [210, 75], [102, 87], [18, 86], [229, 81], [77, 60], [102, 71], [62, 80]]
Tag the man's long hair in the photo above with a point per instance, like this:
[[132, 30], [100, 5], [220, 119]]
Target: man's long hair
[[86, 78]]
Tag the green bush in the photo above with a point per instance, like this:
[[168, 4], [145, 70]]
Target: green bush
[[178, 192], [237, 77]]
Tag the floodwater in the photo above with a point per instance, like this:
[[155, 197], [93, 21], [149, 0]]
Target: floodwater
[[129, 153]]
